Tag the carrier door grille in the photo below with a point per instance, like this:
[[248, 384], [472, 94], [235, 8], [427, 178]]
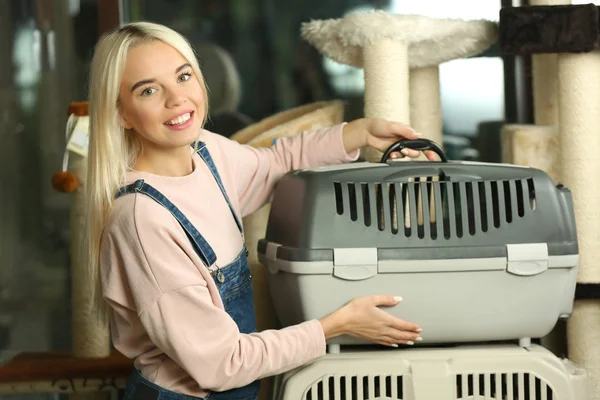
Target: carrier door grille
[[357, 387], [430, 207], [502, 386]]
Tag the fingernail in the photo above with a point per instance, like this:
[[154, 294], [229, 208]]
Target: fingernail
[[397, 298], [410, 343], [394, 155], [394, 345], [404, 151], [419, 339], [419, 330], [418, 134]]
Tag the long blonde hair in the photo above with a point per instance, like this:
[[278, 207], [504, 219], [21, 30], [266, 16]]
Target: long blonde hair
[[112, 149]]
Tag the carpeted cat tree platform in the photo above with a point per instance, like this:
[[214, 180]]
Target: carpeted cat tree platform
[[572, 32], [400, 55]]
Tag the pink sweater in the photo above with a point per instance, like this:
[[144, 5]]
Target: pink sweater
[[166, 312]]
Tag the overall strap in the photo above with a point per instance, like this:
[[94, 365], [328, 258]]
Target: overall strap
[[201, 246], [203, 152]]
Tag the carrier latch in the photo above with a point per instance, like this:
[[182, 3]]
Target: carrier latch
[[355, 264], [527, 259]]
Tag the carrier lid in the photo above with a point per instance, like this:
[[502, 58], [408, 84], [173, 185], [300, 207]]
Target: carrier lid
[[421, 209]]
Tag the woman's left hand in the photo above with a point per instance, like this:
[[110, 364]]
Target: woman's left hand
[[381, 134]]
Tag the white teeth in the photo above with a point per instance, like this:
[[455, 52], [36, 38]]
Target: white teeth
[[179, 120]]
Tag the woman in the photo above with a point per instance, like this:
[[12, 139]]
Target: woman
[[165, 238]]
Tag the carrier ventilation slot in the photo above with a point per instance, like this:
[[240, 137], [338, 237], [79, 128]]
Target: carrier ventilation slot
[[432, 207], [505, 386], [357, 387]]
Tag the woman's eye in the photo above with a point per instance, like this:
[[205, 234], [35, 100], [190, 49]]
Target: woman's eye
[[185, 77], [148, 91]]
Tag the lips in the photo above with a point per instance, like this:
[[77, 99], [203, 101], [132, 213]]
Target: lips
[[180, 119]]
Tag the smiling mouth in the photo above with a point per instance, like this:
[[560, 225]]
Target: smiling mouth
[[182, 119]]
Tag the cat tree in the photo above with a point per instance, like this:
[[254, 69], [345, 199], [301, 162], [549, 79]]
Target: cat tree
[[572, 32], [400, 55]]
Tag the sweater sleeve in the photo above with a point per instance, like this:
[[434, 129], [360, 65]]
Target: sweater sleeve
[[150, 262], [257, 170], [205, 341]]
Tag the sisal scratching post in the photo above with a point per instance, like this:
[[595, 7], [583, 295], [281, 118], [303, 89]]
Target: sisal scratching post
[[531, 146], [583, 331], [426, 102], [91, 338], [262, 134], [579, 115], [536, 146], [545, 86], [544, 77], [571, 32], [391, 48], [386, 85]]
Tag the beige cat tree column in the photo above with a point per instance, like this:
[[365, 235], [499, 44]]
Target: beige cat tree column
[[545, 78], [400, 55], [572, 32], [579, 155], [536, 145]]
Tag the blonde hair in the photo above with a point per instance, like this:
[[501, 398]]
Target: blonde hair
[[112, 149]]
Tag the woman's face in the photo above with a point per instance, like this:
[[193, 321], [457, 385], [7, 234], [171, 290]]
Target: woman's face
[[161, 98]]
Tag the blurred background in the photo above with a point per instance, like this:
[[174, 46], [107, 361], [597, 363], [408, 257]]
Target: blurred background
[[256, 65]]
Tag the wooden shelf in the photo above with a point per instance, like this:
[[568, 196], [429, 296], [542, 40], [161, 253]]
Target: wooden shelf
[[61, 372]]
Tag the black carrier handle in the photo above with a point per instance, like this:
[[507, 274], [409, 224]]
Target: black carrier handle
[[415, 144]]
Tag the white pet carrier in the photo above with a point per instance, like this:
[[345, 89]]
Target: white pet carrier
[[498, 372]]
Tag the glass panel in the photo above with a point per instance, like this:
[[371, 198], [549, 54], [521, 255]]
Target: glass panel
[[472, 90], [278, 70], [43, 69]]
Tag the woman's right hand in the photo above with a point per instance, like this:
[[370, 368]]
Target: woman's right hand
[[362, 318]]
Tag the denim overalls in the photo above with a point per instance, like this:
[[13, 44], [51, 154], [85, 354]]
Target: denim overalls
[[234, 282]]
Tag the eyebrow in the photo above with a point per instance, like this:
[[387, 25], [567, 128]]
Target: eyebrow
[[146, 81]]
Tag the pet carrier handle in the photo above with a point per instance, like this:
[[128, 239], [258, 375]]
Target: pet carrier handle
[[415, 144]]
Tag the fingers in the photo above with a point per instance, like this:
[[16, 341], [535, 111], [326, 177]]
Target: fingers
[[385, 300], [397, 336], [393, 337], [392, 342], [404, 338], [394, 322], [402, 325], [395, 155], [406, 131], [410, 153], [430, 155]]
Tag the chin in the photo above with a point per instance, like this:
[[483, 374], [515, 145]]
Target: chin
[[183, 140], [184, 137]]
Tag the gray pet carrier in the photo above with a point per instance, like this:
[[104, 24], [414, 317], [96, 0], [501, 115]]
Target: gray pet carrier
[[477, 251]]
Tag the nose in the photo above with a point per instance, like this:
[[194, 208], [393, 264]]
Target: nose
[[174, 97]]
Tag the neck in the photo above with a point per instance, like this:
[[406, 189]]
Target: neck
[[172, 162]]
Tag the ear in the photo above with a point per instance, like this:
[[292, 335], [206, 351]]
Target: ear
[[124, 121]]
